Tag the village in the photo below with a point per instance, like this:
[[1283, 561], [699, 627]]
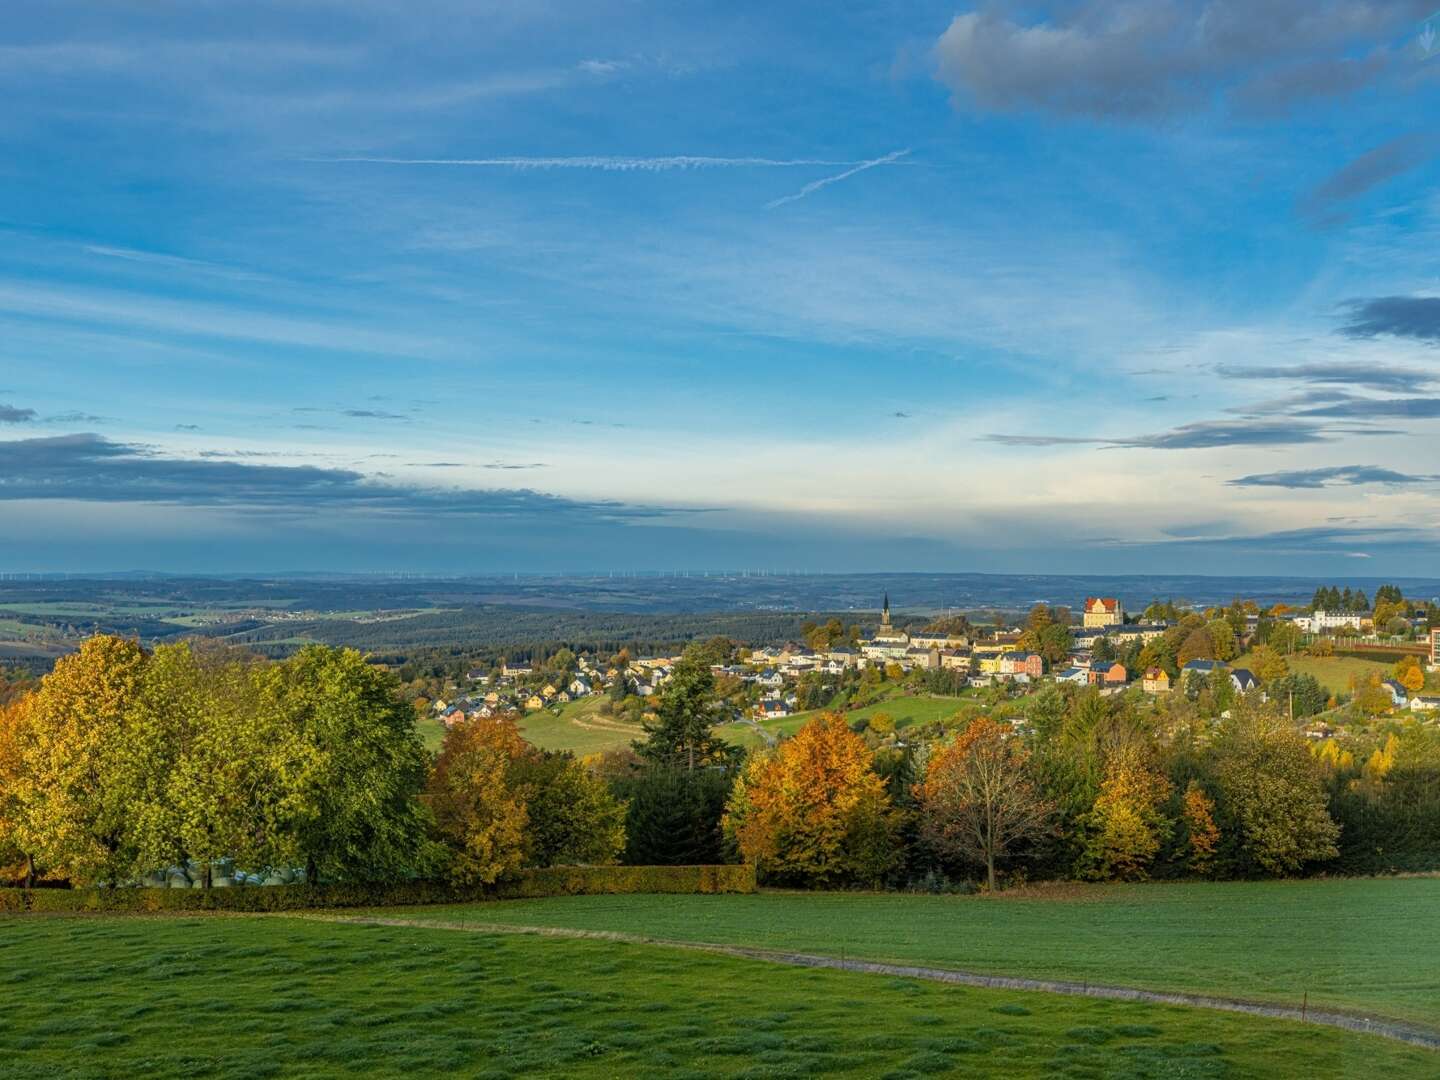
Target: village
[[1104, 648]]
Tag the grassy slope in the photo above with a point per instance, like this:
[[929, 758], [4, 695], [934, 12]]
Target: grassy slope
[[258, 997], [1331, 672], [1351, 944], [579, 728]]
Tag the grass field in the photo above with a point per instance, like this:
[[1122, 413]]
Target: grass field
[[1332, 672], [1368, 946], [579, 728], [246, 997]]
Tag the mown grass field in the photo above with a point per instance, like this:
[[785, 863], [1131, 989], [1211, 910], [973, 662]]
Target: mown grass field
[[244, 997], [579, 728], [1370, 946]]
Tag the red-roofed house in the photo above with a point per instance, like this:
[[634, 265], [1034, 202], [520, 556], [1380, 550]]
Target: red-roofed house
[[1103, 611]]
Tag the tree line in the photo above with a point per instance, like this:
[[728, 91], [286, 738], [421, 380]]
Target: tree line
[[124, 760]]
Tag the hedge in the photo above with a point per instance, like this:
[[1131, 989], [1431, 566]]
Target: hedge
[[550, 881]]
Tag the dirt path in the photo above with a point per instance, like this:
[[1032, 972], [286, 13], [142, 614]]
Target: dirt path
[[1416, 1036]]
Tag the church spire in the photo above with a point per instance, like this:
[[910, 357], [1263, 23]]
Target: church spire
[[885, 610]]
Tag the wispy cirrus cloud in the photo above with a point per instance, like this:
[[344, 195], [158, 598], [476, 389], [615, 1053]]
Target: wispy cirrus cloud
[[1374, 408], [1371, 169], [1201, 435], [1332, 476], [1373, 376]]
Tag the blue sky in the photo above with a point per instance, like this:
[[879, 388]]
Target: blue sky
[[1079, 287]]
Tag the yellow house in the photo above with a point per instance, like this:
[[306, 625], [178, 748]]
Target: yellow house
[[1103, 611], [533, 702], [1155, 681], [548, 692]]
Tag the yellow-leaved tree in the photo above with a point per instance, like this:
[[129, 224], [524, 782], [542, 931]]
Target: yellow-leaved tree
[[475, 809], [1126, 826], [814, 811], [16, 840], [78, 782]]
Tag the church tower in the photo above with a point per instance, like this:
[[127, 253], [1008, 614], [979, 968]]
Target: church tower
[[885, 613]]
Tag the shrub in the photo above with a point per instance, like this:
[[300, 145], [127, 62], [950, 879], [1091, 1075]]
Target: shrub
[[530, 884]]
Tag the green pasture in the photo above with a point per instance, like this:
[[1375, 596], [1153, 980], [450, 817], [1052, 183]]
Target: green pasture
[[245, 997], [1371, 946]]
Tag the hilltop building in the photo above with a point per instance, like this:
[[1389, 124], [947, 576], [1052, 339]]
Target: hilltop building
[[887, 643], [1103, 611]]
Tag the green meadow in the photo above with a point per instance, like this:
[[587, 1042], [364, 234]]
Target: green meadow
[[245, 997], [1369, 946]]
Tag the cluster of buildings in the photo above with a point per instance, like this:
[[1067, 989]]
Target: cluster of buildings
[[775, 670], [517, 690]]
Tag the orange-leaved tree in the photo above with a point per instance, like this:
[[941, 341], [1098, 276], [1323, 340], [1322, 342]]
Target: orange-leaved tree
[[1202, 834], [979, 799], [475, 809], [814, 811]]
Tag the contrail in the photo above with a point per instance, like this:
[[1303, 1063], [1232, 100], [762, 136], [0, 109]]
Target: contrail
[[614, 164], [816, 185]]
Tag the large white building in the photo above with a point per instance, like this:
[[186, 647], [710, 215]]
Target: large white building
[[1331, 620]]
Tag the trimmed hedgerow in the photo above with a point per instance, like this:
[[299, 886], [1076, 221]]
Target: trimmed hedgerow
[[550, 881]]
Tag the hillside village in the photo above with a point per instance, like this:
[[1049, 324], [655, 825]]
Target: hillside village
[[1160, 651]]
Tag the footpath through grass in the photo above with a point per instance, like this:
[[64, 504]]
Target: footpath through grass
[[1370, 947], [247, 997]]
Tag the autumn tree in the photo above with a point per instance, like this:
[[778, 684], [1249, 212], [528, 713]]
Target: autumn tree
[[1268, 664], [1270, 791], [1199, 645], [1222, 639], [1126, 827], [77, 787], [477, 812], [1409, 674], [979, 800], [1202, 835], [17, 841], [814, 811], [199, 747]]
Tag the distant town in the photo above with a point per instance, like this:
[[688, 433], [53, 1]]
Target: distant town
[[1237, 649]]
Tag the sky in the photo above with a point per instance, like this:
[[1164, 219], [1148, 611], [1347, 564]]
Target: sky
[[469, 287]]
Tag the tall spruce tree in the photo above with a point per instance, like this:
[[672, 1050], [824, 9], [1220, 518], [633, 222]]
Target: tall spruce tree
[[682, 735]]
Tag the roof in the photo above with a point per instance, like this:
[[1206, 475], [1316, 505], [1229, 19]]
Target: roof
[[1244, 676], [1202, 665], [1102, 603]]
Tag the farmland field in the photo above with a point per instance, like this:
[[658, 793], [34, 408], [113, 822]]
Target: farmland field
[[1368, 946], [262, 996]]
